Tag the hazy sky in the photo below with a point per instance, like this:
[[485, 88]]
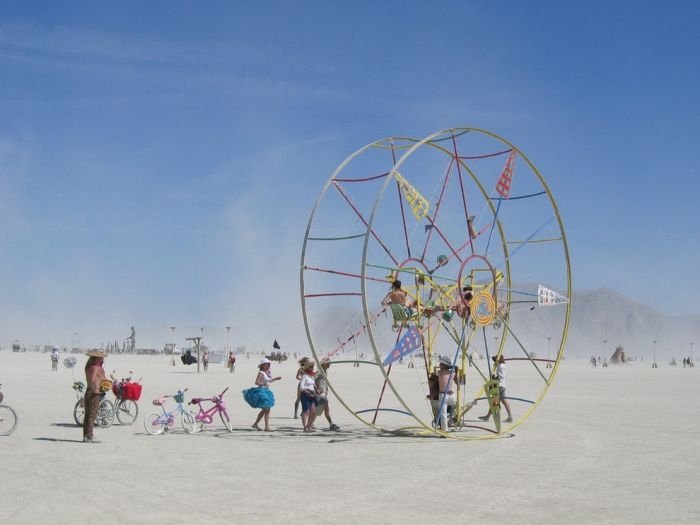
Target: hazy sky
[[159, 160]]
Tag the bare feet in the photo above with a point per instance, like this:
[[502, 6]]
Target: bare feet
[[256, 427], [268, 430]]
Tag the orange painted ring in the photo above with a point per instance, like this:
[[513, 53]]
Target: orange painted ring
[[483, 308]]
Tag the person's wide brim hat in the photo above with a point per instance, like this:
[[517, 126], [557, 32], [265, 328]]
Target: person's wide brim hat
[[96, 353]]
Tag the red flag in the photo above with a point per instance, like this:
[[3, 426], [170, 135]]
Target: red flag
[[503, 185]]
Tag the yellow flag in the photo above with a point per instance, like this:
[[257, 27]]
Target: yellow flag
[[419, 204]]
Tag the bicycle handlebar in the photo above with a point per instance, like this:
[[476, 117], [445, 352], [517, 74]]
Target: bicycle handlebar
[[215, 399]]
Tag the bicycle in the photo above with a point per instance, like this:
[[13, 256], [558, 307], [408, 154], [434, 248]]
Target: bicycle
[[105, 410], [127, 393], [205, 417], [8, 418], [156, 423]]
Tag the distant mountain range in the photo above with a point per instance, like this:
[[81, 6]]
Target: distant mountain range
[[606, 314], [596, 315]]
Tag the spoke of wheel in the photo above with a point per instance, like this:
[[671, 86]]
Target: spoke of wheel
[[438, 204], [364, 221], [527, 354]]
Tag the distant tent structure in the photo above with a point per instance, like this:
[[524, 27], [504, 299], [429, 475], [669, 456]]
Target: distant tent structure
[[618, 355]]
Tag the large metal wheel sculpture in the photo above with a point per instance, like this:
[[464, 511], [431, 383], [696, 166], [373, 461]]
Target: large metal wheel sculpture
[[461, 210]]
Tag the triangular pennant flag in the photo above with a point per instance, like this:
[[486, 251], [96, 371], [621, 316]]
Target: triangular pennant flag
[[407, 344], [419, 204], [503, 185], [547, 297], [276, 345]]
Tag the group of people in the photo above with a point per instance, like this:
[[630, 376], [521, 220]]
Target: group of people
[[408, 305], [595, 362], [312, 394], [441, 383]]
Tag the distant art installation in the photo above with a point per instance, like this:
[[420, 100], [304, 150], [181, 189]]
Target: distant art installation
[[465, 228]]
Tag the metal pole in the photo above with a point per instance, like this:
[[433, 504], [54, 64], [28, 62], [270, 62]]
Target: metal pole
[[605, 355], [691, 354], [172, 340], [654, 363], [228, 329], [199, 347]]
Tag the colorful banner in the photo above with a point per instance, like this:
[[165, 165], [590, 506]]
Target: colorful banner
[[419, 204], [407, 344], [547, 297], [503, 185]]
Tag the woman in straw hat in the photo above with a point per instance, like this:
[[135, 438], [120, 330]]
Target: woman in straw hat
[[309, 400], [300, 372], [260, 396], [94, 376]]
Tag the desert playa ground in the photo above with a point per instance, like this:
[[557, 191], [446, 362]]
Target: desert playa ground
[[614, 445]]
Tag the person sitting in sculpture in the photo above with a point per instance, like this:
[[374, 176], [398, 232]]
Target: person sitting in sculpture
[[399, 296]]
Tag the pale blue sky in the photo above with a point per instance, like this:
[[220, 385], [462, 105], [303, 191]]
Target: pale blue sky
[[159, 160]]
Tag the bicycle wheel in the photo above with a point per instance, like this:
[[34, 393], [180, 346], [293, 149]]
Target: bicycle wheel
[[188, 422], [8, 420], [226, 421], [105, 414], [153, 423], [79, 412], [127, 411]]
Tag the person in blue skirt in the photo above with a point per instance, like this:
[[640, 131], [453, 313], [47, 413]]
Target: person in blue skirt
[[260, 396]]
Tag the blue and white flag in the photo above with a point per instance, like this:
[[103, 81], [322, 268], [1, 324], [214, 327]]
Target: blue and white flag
[[407, 344]]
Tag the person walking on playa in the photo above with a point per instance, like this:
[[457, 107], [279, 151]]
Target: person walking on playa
[[501, 375], [54, 359], [446, 398], [307, 384], [205, 360], [260, 396], [231, 362], [94, 375], [322, 391], [300, 372]]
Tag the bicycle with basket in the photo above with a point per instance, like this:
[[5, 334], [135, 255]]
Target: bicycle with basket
[[127, 393], [206, 417], [156, 423]]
